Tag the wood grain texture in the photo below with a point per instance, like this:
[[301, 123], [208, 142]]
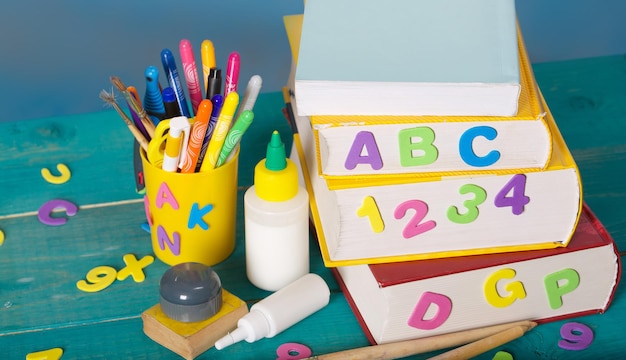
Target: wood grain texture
[[41, 308]]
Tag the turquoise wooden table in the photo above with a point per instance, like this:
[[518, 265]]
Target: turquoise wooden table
[[41, 307]]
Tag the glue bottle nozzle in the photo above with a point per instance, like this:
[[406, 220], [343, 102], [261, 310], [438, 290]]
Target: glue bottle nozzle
[[276, 158], [233, 337]]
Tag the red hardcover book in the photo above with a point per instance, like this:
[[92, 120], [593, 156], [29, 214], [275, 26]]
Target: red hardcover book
[[414, 299]]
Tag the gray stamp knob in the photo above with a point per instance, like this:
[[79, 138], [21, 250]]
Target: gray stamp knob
[[190, 292]]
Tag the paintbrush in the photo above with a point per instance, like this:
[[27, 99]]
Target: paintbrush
[[109, 98], [137, 108]]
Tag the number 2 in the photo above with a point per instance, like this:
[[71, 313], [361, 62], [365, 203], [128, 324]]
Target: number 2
[[414, 226]]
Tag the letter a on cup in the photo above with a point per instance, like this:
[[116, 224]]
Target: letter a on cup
[[165, 195]]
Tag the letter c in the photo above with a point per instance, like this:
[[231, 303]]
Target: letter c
[[466, 146], [45, 212]]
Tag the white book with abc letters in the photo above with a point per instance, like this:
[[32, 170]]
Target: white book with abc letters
[[359, 222]]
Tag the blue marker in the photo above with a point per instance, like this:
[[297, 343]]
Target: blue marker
[[170, 104], [169, 65], [218, 102], [152, 99]]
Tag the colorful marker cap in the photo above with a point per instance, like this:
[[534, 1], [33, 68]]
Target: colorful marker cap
[[190, 292]]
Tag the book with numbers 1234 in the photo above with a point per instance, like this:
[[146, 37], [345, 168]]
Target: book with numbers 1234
[[360, 221]]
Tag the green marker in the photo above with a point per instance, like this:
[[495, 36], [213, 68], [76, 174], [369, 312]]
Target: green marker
[[234, 136]]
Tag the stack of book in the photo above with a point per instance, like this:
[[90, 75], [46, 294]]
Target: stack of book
[[442, 192]]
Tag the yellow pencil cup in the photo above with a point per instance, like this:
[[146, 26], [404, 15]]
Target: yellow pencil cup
[[192, 216]]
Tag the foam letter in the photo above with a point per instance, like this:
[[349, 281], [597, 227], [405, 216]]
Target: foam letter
[[428, 153], [515, 289], [98, 279], [63, 177], [293, 351], [576, 336], [174, 246], [466, 149], [196, 214], [164, 195], [444, 308], [50, 354], [364, 140], [45, 212], [134, 267], [560, 283], [146, 206]]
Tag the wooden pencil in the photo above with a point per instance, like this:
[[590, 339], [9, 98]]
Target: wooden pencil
[[418, 346], [483, 345]]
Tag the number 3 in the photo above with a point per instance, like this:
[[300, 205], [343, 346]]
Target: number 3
[[480, 195]]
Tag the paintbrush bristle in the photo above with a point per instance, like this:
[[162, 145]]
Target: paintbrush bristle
[[108, 97], [117, 82]]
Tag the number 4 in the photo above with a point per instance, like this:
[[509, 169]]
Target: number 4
[[517, 200]]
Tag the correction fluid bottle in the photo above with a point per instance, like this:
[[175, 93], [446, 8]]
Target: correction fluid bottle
[[280, 310], [276, 211]]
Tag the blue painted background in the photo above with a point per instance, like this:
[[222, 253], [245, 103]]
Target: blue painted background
[[56, 56]]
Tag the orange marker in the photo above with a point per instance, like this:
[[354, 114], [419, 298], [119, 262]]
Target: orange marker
[[196, 138]]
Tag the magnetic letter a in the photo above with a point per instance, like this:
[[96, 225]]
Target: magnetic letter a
[[364, 140]]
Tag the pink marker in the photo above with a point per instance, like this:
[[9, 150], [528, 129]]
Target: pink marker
[[232, 73], [191, 73]]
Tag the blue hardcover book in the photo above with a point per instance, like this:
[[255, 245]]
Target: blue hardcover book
[[408, 57]]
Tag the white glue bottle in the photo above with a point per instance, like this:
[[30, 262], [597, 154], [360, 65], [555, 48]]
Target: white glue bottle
[[280, 310], [276, 212]]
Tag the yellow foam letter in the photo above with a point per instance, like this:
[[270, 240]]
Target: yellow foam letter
[[515, 289]]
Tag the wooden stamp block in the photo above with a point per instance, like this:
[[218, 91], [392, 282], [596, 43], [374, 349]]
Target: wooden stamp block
[[192, 339]]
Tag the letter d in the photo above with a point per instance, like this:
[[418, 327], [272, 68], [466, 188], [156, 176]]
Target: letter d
[[444, 308]]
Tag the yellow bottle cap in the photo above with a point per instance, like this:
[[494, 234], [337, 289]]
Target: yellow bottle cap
[[276, 177]]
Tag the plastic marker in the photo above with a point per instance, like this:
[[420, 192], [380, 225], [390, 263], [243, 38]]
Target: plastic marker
[[170, 104], [250, 95], [218, 102], [169, 65], [198, 132], [232, 73], [234, 136], [207, 54], [214, 83], [191, 74], [221, 130], [177, 140]]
